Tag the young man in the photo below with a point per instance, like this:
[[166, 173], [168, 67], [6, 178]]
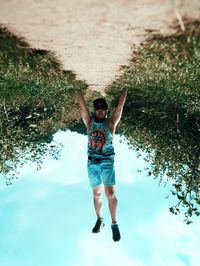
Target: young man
[[100, 129]]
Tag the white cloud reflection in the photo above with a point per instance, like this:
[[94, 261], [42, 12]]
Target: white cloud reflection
[[47, 216], [71, 169]]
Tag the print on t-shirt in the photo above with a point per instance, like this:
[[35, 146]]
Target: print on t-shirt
[[97, 140]]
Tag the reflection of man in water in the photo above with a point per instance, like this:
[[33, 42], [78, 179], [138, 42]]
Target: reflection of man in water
[[100, 129]]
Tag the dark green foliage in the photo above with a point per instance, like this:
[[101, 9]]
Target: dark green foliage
[[37, 98], [162, 112]]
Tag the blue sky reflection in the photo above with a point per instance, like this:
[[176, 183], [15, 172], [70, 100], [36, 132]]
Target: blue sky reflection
[[47, 215]]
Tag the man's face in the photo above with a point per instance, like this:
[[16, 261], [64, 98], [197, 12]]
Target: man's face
[[100, 113]]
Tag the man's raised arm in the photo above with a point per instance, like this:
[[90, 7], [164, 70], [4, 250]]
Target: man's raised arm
[[118, 111], [85, 115]]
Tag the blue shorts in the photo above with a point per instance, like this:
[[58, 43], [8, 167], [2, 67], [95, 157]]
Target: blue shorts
[[102, 171]]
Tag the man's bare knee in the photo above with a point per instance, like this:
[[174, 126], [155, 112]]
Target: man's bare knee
[[110, 193], [97, 192], [98, 195]]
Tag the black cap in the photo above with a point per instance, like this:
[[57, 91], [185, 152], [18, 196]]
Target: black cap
[[100, 103]]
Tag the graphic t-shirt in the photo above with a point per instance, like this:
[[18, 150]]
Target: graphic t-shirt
[[100, 140]]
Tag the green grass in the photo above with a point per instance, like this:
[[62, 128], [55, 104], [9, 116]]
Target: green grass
[[37, 97], [162, 112]]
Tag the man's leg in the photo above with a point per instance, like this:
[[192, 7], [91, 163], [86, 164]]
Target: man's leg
[[112, 202], [97, 195]]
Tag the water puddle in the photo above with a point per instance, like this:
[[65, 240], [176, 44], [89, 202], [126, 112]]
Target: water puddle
[[50, 210]]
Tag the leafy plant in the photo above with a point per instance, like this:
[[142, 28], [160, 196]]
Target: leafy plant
[[37, 97], [162, 112]]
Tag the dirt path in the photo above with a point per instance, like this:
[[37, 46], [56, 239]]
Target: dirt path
[[93, 38]]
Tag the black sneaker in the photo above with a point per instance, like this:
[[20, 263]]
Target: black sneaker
[[115, 232], [99, 224]]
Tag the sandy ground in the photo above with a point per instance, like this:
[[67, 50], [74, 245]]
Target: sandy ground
[[93, 38]]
